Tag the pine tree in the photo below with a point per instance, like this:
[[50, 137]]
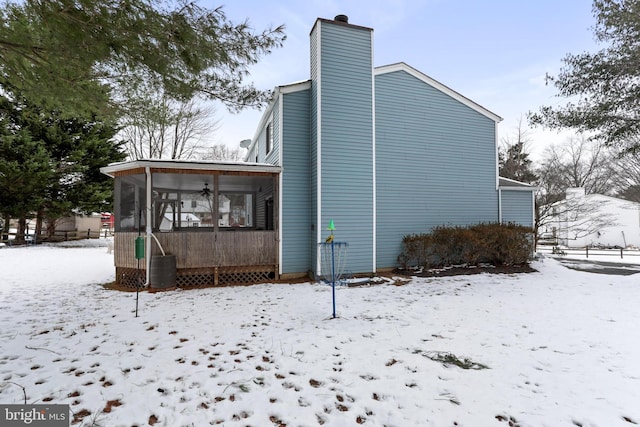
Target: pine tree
[[515, 164], [513, 156], [603, 87], [81, 56], [24, 174], [50, 165]]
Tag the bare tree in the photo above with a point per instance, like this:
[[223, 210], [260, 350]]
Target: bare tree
[[224, 152], [579, 163], [157, 127], [144, 126], [191, 124], [550, 191], [161, 128], [627, 169]]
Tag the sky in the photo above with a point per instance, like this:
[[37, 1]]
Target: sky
[[556, 347], [495, 52]]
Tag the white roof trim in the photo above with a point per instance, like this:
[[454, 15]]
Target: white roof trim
[[530, 189], [190, 164], [401, 66], [284, 89], [513, 181], [295, 87], [266, 116]]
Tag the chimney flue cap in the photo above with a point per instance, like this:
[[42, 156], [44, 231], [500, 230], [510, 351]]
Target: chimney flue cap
[[342, 18]]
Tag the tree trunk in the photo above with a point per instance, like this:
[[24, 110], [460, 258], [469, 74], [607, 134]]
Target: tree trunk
[[4, 232], [51, 228], [38, 230], [22, 226]]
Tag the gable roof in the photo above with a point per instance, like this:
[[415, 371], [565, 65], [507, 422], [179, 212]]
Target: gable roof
[[401, 66], [277, 92], [385, 69]]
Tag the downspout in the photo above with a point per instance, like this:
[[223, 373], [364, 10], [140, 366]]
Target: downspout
[[373, 163], [318, 268], [533, 203], [278, 180], [149, 229], [499, 205], [147, 172]]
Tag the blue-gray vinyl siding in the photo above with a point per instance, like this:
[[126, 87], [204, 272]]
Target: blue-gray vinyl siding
[[296, 194], [435, 162], [346, 146], [517, 207]]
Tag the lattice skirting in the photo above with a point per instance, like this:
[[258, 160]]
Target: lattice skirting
[[219, 276], [130, 277], [231, 276]]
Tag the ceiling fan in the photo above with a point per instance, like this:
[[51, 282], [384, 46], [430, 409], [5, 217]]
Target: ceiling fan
[[206, 192]]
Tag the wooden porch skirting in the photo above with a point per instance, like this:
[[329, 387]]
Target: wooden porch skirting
[[197, 277], [203, 257]]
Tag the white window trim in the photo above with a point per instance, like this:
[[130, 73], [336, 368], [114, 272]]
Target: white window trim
[[268, 137]]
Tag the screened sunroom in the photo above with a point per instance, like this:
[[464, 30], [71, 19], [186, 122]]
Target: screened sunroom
[[219, 221]]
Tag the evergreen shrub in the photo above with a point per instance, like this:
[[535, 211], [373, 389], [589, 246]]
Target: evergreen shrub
[[490, 243]]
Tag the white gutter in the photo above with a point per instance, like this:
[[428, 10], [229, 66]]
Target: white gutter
[[147, 171], [499, 205], [113, 168], [149, 229], [533, 203], [280, 178], [373, 160], [318, 147]]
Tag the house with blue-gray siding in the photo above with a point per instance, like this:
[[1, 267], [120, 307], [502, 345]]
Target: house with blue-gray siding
[[382, 151]]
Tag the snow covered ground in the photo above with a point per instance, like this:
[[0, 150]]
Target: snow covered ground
[[562, 348]]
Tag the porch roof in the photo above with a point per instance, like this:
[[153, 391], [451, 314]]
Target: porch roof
[[181, 166], [513, 184]]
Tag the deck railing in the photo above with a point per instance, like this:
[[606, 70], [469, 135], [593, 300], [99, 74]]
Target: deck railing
[[632, 254]]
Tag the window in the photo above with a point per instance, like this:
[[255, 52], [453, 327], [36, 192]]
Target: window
[[129, 203], [128, 207], [236, 210], [269, 137], [196, 210], [165, 217]]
